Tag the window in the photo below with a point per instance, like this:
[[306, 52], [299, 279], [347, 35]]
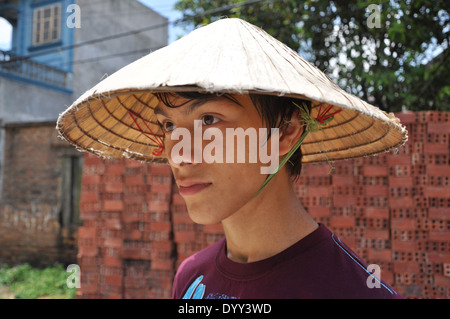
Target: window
[[47, 24]]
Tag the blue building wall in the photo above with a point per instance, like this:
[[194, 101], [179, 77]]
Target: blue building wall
[[47, 65], [22, 37]]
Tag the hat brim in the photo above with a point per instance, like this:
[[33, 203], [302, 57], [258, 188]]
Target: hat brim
[[246, 60]]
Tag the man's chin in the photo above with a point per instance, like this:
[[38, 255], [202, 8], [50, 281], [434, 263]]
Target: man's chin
[[203, 217]]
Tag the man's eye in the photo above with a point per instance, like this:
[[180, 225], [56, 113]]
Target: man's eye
[[168, 126], [209, 120]]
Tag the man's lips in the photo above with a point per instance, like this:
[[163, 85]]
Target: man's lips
[[188, 188]]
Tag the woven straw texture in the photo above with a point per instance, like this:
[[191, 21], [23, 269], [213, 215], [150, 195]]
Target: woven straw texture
[[115, 118]]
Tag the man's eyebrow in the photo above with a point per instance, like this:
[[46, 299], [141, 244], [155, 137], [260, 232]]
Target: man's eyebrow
[[196, 103], [159, 110], [199, 102]]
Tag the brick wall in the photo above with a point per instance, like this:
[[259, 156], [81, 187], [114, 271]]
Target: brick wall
[[392, 209], [30, 210]]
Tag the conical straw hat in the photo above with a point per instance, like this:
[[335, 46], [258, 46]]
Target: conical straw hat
[[115, 118]]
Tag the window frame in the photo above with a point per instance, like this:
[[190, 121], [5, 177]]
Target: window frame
[[53, 29]]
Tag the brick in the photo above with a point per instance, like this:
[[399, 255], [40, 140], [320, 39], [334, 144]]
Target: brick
[[319, 191], [446, 270], [92, 160], [442, 281], [86, 232], [162, 265], [158, 169], [131, 216], [113, 242], [178, 199], [87, 251], [342, 222], [111, 261], [436, 148], [134, 235], [115, 169], [399, 160], [319, 211], [113, 224], [377, 190], [132, 163], [340, 200], [379, 255], [112, 205], [406, 117], [374, 170], [437, 191], [403, 224], [134, 180], [375, 212], [91, 179], [89, 197], [182, 218], [89, 288], [114, 280], [440, 213], [406, 267], [184, 236], [377, 234], [341, 180], [439, 127], [401, 202], [395, 181], [160, 226], [407, 246], [316, 170], [114, 187], [161, 188], [438, 257], [158, 206], [443, 236], [439, 170]]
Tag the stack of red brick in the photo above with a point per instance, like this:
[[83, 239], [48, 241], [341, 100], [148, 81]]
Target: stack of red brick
[[392, 209], [125, 243]]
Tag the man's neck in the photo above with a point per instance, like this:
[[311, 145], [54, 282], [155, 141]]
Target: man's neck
[[267, 225]]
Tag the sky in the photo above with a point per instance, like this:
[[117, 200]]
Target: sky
[[163, 7]]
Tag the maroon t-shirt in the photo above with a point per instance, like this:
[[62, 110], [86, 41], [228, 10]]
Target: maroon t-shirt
[[318, 266]]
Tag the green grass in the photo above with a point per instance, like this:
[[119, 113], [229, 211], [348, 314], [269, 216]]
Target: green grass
[[26, 282]]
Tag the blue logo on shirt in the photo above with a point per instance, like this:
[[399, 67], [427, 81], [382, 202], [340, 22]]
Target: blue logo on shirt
[[196, 290]]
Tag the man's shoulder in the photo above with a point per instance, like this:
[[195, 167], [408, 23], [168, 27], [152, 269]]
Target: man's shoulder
[[202, 258], [193, 268]]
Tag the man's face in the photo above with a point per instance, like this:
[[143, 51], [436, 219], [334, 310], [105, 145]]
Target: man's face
[[213, 191]]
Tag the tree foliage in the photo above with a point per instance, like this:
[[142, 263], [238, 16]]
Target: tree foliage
[[392, 53]]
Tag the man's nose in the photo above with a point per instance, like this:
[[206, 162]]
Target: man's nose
[[182, 148]]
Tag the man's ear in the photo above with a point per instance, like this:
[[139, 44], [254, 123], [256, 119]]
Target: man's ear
[[290, 133]]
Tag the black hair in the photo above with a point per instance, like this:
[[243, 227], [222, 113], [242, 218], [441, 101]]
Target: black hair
[[275, 111]]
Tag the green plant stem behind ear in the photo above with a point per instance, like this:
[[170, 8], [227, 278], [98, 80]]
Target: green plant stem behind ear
[[284, 160], [312, 125]]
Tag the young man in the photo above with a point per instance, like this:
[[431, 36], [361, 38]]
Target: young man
[[183, 103], [272, 247]]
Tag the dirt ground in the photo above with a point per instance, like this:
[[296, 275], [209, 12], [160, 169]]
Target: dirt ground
[[5, 293]]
